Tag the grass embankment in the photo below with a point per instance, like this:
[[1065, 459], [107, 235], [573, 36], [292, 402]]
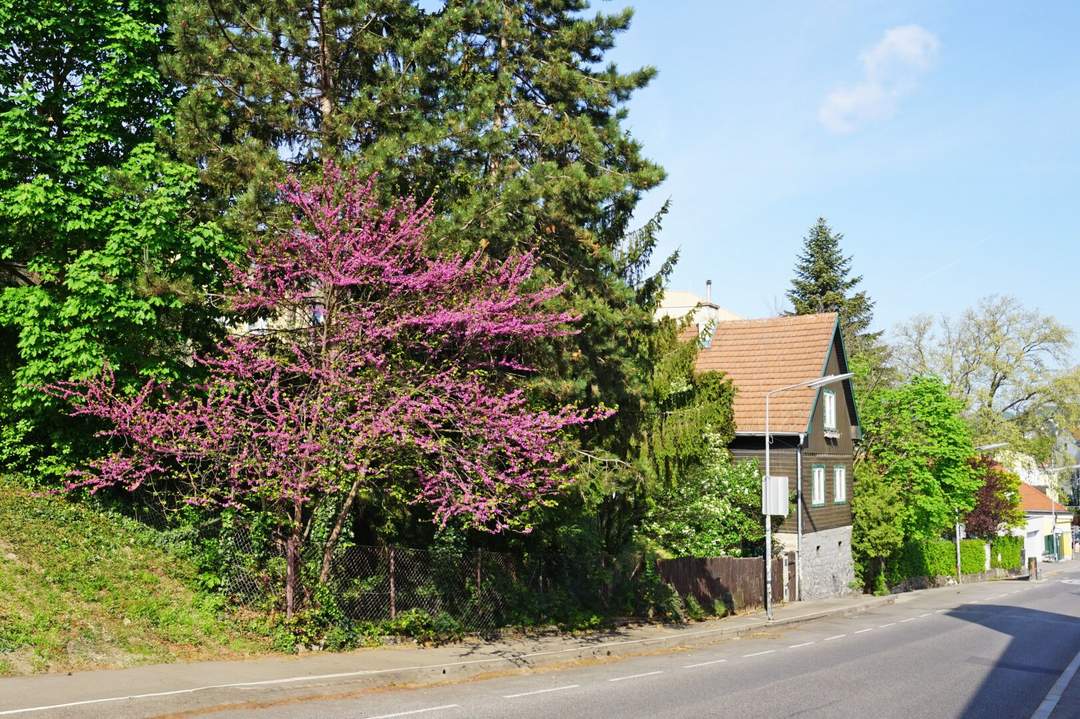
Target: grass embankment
[[82, 588]]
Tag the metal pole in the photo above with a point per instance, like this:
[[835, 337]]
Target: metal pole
[[957, 534], [768, 518], [798, 509]]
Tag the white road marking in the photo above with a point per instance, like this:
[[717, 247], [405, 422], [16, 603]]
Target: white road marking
[[909, 619], [704, 664], [758, 654], [882, 626], [940, 611], [635, 676], [835, 636], [415, 711], [796, 646], [1054, 695], [541, 691], [868, 629], [927, 614]]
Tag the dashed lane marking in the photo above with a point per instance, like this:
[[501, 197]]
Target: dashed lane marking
[[890, 624], [635, 676], [868, 629], [796, 646], [541, 691], [835, 636], [758, 654], [704, 664], [415, 711]]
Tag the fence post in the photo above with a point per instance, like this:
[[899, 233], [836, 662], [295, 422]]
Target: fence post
[[393, 593], [784, 573]]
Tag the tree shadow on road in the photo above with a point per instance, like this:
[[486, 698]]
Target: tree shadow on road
[[1043, 644]]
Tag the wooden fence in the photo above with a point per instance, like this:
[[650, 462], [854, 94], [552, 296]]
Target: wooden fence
[[739, 583]]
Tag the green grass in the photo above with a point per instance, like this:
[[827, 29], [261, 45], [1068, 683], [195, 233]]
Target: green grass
[[82, 588]]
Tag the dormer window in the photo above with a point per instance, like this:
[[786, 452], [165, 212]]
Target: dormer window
[[830, 410]]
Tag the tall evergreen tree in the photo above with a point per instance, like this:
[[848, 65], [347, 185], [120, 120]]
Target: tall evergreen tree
[[503, 113], [823, 283]]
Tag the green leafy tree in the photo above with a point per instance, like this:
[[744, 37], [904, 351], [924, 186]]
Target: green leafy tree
[[104, 260], [714, 511], [1010, 366], [915, 436], [877, 531]]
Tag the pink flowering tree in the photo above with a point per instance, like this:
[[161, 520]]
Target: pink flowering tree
[[375, 355]]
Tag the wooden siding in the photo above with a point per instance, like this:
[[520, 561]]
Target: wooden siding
[[819, 450], [739, 583]]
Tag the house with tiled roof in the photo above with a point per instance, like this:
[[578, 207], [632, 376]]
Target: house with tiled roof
[[813, 433], [1047, 530]]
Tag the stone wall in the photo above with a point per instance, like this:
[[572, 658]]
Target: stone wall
[[827, 567]]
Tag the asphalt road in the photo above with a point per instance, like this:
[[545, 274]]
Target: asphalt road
[[987, 650]]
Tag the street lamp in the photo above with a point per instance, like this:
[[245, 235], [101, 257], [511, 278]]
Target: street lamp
[[810, 384]]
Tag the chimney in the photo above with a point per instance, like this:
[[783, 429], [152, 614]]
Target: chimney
[[708, 291]]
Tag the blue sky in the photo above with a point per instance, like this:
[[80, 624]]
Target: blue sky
[[943, 141]]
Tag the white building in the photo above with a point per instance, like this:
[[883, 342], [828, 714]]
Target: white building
[[680, 303]]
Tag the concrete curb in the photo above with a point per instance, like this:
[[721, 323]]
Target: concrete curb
[[197, 699], [595, 650]]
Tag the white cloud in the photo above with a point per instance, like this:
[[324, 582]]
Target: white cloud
[[891, 69]]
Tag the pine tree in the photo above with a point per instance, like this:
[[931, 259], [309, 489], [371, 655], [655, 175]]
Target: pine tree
[[823, 283], [503, 113]]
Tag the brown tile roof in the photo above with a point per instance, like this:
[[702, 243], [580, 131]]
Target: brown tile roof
[[763, 355], [1032, 500]]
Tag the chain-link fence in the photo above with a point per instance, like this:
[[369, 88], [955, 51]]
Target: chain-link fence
[[480, 590]]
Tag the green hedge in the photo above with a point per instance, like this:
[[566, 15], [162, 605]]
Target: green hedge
[[972, 556], [1007, 552], [934, 558]]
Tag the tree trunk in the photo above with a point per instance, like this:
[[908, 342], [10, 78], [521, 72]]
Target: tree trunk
[[292, 562], [339, 523]]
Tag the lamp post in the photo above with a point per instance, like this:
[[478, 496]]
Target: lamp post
[[810, 384]]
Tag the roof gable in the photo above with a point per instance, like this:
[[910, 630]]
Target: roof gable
[[762, 355], [1032, 500]]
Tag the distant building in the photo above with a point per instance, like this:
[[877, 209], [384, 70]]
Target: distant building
[[704, 312], [1047, 531]]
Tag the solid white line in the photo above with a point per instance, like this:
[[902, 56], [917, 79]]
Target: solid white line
[[635, 676], [835, 636], [704, 664], [541, 691], [796, 646], [1054, 695], [415, 711], [890, 624], [758, 654], [868, 629]]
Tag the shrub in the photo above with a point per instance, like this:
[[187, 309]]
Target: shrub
[[1006, 552], [972, 556], [693, 608], [719, 608]]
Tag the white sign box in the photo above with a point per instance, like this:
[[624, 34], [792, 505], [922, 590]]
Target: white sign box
[[777, 503]]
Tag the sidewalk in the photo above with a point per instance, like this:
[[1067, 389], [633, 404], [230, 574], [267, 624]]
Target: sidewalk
[[201, 685]]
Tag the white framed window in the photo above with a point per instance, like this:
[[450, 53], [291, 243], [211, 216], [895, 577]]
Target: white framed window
[[817, 485], [839, 484], [830, 409]]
